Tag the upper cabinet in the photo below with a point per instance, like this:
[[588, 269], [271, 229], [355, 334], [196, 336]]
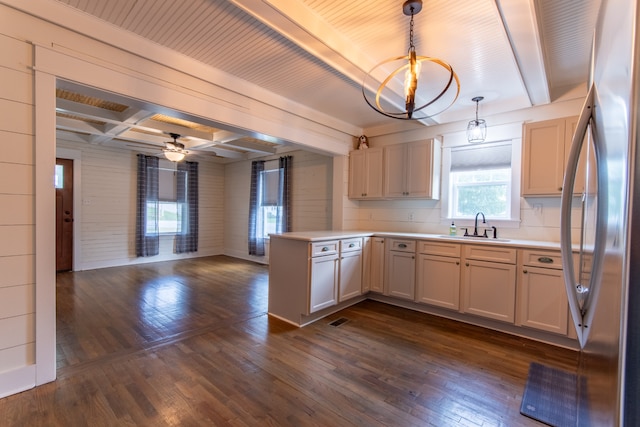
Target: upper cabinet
[[545, 152], [401, 171], [365, 174], [412, 170]]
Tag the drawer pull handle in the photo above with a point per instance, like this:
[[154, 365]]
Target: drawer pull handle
[[352, 245], [326, 248], [545, 260], [402, 245]]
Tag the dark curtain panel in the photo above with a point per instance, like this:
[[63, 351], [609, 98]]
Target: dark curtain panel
[[147, 235], [283, 222], [256, 241], [187, 198]]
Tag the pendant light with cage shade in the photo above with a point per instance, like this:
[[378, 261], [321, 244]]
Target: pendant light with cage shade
[[477, 129], [423, 97]]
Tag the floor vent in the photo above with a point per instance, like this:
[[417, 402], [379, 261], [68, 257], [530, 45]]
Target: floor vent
[[339, 321]]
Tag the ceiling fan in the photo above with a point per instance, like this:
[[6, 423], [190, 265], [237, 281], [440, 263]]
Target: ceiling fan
[[174, 151]]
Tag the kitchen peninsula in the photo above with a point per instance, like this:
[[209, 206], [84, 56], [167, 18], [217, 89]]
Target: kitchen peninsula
[[513, 286]]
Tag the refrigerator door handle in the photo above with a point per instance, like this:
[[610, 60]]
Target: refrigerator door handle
[[581, 296]]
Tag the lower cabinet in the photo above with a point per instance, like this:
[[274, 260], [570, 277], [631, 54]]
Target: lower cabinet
[[350, 282], [438, 274], [523, 287], [376, 266], [324, 282], [542, 298], [401, 269], [489, 282]]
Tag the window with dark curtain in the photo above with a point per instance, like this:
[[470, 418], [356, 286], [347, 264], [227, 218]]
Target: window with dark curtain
[[147, 234], [283, 223], [269, 202], [256, 222], [187, 199]]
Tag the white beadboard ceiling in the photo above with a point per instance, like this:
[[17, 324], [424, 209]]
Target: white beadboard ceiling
[[515, 53]]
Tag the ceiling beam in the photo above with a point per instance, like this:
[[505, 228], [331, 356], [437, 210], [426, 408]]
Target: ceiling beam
[[249, 145], [300, 25], [520, 23]]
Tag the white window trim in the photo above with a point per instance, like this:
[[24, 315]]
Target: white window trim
[[270, 165], [500, 133], [166, 165]]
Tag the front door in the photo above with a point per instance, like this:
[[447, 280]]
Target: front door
[[64, 214]]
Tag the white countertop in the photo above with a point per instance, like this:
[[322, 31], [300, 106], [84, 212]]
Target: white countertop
[[314, 236]]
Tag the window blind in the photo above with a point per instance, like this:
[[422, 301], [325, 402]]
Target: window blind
[[270, 187], [484, 156]]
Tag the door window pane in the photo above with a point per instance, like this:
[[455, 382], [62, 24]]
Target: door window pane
[[59, 176]]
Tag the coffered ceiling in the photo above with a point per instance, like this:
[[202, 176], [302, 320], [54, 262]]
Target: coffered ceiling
[[315, 53]]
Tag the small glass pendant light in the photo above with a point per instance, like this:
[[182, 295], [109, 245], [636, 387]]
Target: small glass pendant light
[[477, 129]]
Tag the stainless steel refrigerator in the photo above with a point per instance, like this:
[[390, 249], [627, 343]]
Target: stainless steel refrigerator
[[603, 281]]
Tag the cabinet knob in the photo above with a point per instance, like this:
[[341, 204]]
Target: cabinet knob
[[467, 264], [457, 262], [559, 188], [525, 271]]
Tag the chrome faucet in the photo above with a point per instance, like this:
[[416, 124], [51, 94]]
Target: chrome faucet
[[475, 228]]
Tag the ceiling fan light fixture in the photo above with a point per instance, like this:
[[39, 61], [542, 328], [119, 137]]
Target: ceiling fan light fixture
[[415, 104], [477, 129], [174, 151]]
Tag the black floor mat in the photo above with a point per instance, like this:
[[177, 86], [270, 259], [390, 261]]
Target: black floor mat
[[550, 396]]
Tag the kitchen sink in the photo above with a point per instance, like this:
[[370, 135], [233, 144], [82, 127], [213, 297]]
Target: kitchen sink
[[475, 238]]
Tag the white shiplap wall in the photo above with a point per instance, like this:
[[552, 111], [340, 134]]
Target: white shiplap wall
[[17, 221], [107, 217], [311, 199]]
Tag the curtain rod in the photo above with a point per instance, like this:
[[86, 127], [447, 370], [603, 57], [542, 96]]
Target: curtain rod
[[275, 160]]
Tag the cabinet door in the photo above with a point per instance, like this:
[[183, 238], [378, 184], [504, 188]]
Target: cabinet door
[[374, 173], [543, 300], [324, 281], [543, 157], [489, 290], [395, 171], [401, 275], [357, 174], [350, 275], [367, 244], [376, 283], [438, 281], [365, 173], [419, 161]]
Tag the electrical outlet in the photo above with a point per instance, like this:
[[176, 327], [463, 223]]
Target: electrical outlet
[[537, 209]]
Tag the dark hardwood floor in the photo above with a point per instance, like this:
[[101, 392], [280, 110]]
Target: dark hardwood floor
[[189, 343]]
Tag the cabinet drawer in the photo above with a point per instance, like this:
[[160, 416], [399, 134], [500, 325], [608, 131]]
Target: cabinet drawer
[[402, 245], [351, 245], [545, 259], [324, 248], [490, 253], [439, 248]]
